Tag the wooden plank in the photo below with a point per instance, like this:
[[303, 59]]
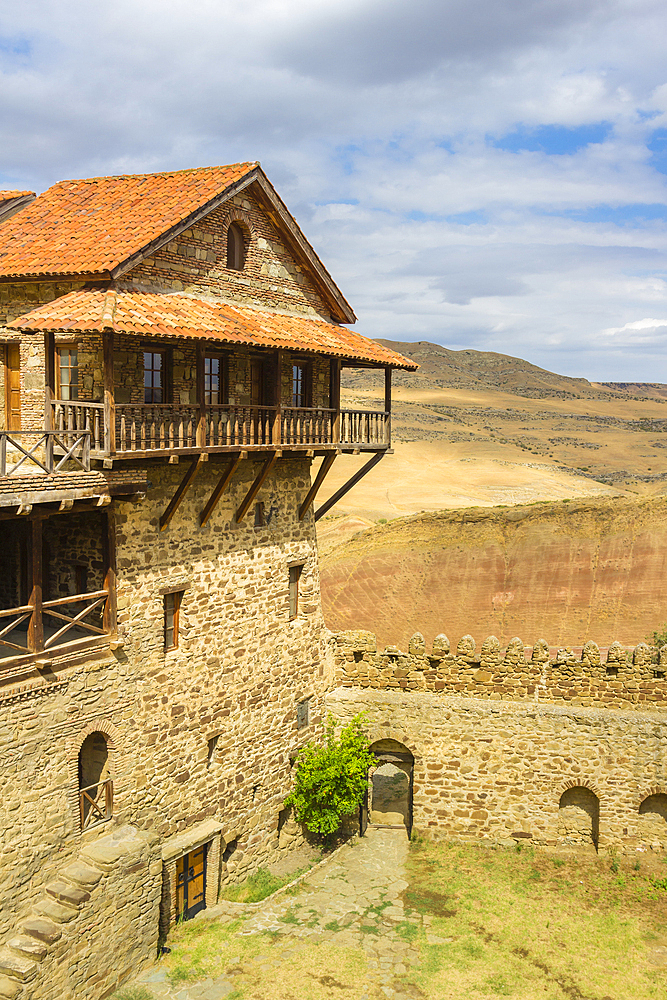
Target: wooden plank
[[327, 462], [36, 627], [346, 487], [387, 406], [276, 434], [178, 496], [334, 396], [201, 395], [220, 488], [256, 486]]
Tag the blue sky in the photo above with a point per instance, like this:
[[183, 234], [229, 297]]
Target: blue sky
[[489, 175]]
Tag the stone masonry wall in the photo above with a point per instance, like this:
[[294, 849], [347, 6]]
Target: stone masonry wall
[[204, 732], [615, 677], [496, 771]]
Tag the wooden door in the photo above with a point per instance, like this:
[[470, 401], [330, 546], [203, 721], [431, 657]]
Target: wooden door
[[191, 883], [257, 383], [12, 387]]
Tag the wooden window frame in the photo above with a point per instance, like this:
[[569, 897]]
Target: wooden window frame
[[295, 571], [306, 393], [171, 603], [166, 354], [236, 255], [223, 359], [68, 346]]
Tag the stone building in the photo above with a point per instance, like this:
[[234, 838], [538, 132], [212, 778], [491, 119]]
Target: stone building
[[172, 355]]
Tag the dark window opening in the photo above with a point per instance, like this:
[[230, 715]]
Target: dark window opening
[[301, 381], [235, 248], [612, 671], [172, 613], [215, 380], [260, 520], [294, 577], [95, 785], [212, 747], [303, 714], [229, 850], [67, 372], [154, 377], [80, 579]]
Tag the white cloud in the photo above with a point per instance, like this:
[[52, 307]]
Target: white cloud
[[374, 118]]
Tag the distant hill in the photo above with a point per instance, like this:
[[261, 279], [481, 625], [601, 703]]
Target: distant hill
[[482, 370]]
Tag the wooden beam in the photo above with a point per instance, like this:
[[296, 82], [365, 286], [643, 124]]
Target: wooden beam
[[256, 486], [387, 406], [109, 557], [352, 481], [36, 626], [276, 432], [222, 485], [49, 392], [177, 498], [327, 462], [201, 395], [109, 397]]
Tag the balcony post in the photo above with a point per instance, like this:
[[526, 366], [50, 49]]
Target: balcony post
[[49, 393], [334, 397], [109, 623], [276, 433], [201, 396], [109, 396], [36, 627], [387, 406]]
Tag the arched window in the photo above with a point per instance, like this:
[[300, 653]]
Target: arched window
[[235, 248], [95, 784], [653, 818]]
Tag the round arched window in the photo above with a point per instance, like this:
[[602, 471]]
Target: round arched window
[[235, 248]]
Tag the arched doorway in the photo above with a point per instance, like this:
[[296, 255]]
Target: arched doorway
[[579, 816], [95, 784], [390, 785], [653, 819]]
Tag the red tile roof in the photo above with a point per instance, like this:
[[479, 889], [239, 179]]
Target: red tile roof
[[91, 226], [180, 315], [8, 195]]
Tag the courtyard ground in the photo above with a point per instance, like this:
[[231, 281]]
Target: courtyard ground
[[382, 918]]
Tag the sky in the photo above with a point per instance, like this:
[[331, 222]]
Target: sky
[[483, 174]]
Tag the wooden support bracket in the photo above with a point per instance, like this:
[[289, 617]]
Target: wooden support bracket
[[352, 481], [177, 498], [327, 462], [222, 485], [256, 486]]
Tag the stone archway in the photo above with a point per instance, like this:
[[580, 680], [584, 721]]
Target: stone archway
[[390, 785], [653, 819], [579, 816]]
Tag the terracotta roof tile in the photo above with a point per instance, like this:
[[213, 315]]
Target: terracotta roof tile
[[8, 195], [180, 315], [90, 226]]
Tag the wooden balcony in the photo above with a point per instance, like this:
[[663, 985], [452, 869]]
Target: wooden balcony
[[145, 430]]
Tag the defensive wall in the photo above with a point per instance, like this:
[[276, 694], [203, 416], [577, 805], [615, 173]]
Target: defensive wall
[[539, 744]]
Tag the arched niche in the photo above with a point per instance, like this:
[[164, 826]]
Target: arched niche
[[390, 785], [653, 819], [579, 816], [95, 786]]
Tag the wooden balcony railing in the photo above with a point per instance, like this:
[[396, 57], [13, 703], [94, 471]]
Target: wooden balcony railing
[[96, 803], [36, 621], [43, 451], [173, 427]]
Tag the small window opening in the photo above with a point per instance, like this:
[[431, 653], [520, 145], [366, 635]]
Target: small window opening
[[260, 520], [255, 790], [659, 675], [172, 613], [612, 671], [95, 784], [212, 747], [303, 714], [80, 580], [300, 385], [68, 372], [215, 380], [294, 577], [235, 248]]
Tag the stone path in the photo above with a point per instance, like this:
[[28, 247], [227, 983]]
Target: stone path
[[352, 900]]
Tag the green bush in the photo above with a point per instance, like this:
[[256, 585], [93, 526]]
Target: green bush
[[657, 638], [331, 778]]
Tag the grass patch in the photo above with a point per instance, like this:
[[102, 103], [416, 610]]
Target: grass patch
[[527, 924], [133, 993], [260, 885]]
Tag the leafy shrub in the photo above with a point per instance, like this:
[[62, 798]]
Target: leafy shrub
[[331, 778], [658, 637]]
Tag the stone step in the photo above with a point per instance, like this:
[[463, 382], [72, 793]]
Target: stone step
[[42, 929], [66, 893], [48, 907], [17, 967], [9, 988], [82, 874], [104, 854], [29, 947]]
